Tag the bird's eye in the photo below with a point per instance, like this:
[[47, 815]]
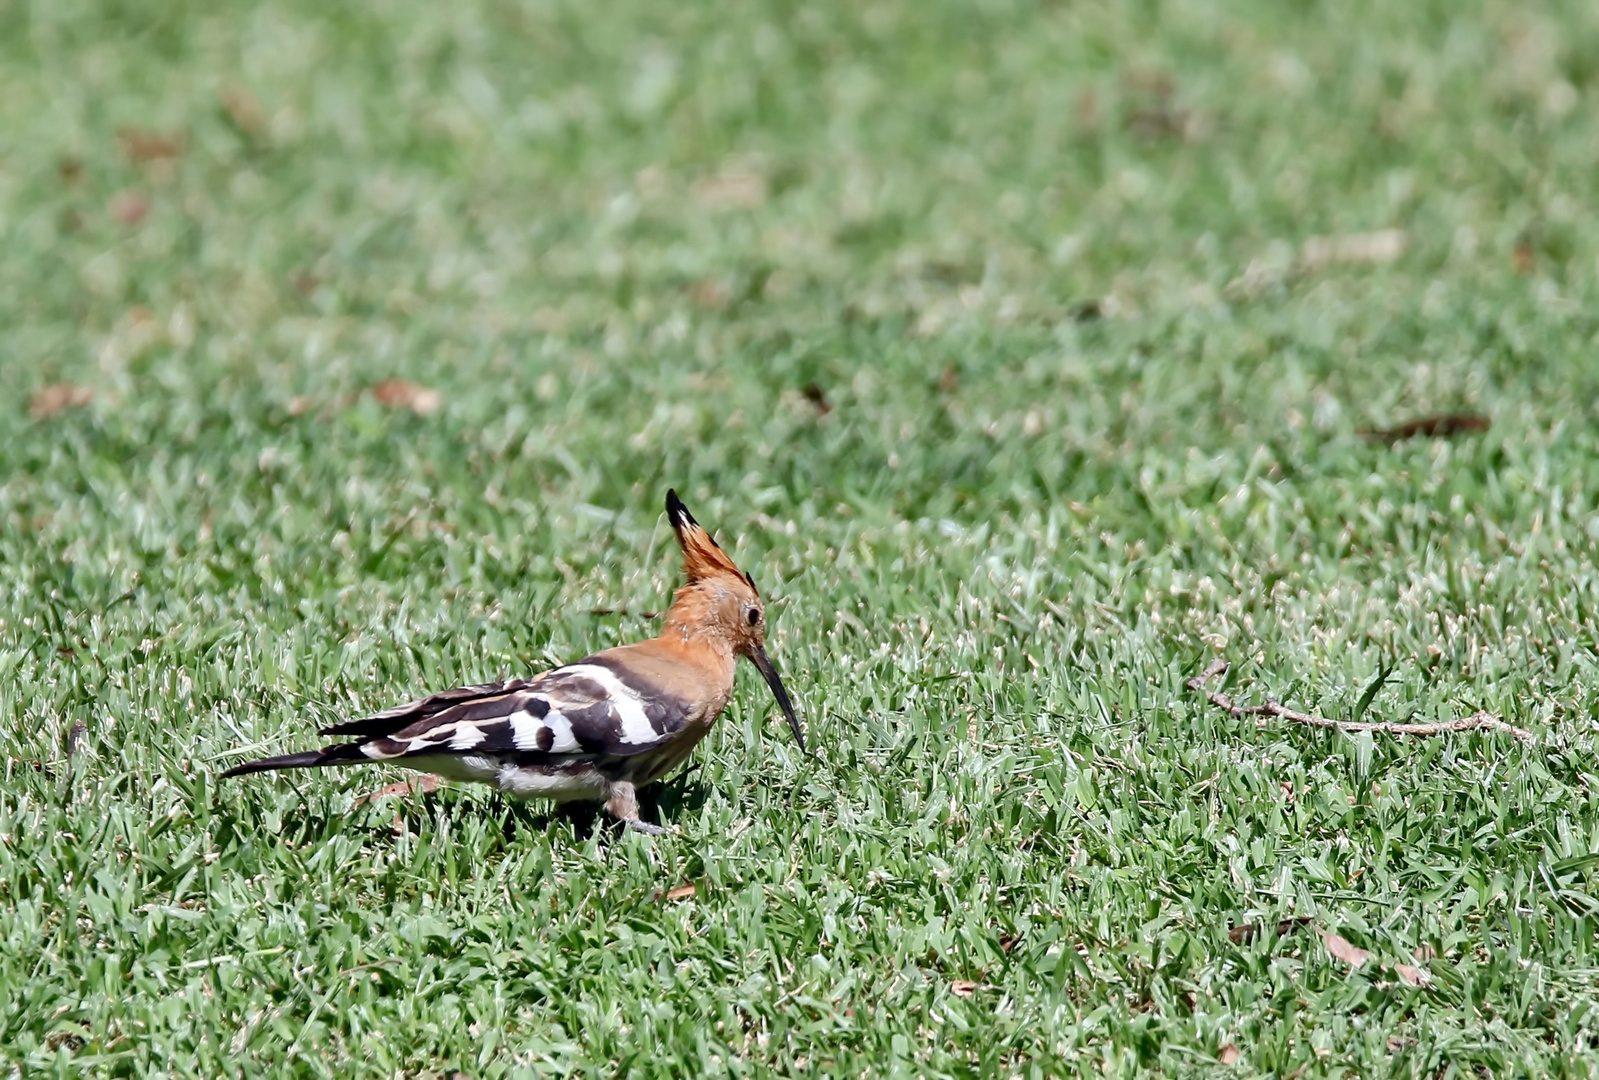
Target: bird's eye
[[754, 615]]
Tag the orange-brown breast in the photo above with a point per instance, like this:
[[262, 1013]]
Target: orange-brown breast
[[700, 677]]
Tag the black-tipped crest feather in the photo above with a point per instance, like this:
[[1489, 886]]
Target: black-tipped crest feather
[[676, 512], [703, 557]]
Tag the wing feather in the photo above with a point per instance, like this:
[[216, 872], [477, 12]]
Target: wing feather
[[400, 717], [589, 709]]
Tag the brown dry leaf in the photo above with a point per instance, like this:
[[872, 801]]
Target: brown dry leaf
[[143, 145], [1228, 1054], [1521, 258], [1165, 121], [652, 181], [711, 293], [404, 394], [1154, 83], [949, 381], [1424, 953], [1382, 246], [736, 189], [1154, 112], [1085, 109], [245, 110], [963, 988], [708, 383], [1411, 975], [129, 207], [52, 399], [681, 892], [425, 783], [1344, 951]]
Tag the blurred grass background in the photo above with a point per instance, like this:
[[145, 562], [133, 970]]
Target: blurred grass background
[[1021, 350]]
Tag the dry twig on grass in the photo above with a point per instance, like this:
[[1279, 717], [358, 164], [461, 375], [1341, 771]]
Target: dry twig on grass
[[1249, 932], [1433, 427], [1483, 720]]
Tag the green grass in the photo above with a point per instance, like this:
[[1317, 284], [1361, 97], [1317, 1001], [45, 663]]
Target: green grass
[[621, 241]]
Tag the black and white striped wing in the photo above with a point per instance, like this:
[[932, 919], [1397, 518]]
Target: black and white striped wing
[[583, 710], [389, 721]]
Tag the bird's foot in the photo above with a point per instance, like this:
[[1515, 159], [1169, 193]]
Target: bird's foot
[[623, 805]]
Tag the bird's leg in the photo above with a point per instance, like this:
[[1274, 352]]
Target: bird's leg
[[623, 805]]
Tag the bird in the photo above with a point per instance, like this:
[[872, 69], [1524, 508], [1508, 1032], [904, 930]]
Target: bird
[[598, 729]]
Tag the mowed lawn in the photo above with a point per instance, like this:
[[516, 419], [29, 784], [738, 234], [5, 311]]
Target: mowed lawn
[[1022, 351]]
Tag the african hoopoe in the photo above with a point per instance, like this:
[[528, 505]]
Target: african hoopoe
[[597, 729]]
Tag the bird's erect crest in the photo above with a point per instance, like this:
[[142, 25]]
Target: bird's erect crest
[[702, 558]]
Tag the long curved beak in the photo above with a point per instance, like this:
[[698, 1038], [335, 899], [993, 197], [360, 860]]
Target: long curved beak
[[757, 656]]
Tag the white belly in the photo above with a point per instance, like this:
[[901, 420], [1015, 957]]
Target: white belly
[[532, 782], [517, 781]]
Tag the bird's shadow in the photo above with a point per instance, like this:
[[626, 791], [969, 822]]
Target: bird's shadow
[[660, 804], [677, 798]]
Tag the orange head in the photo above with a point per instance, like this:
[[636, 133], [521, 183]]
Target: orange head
[[720, 602]]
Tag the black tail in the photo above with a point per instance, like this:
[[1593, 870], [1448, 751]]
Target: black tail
[[338, 754]]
